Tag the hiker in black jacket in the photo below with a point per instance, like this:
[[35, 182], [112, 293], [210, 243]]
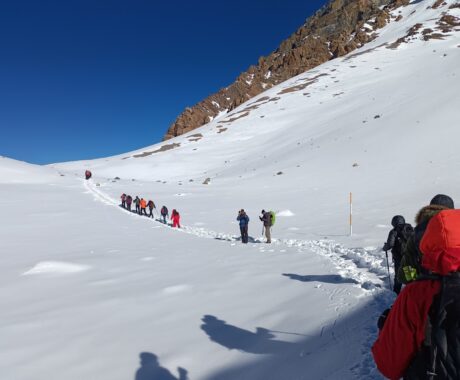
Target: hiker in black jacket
[[397, 237]]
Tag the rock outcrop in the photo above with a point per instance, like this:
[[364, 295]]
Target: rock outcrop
[[335, 30]]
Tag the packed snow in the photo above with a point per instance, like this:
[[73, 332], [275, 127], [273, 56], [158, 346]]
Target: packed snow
[[94, 291]]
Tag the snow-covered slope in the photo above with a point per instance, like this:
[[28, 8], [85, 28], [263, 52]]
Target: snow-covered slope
[[380, 123], [87, 286], [12, 171]]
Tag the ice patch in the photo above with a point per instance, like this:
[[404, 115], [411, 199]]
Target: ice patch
[[56, 267], [285, 213]]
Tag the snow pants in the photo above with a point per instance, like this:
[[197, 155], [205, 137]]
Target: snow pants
[[268, 234], [244, 234]]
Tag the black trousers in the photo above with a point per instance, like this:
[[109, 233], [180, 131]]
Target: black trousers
[[396, 284], [151, 213], [244, 234]]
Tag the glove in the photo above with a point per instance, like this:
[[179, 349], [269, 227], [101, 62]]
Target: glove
[[386, 247]]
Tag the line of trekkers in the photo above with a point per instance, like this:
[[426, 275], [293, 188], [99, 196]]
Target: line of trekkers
[[419, 336], [141, 208]]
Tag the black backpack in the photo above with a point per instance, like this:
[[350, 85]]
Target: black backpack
[[439, 357], [164, 211], [405, 233]]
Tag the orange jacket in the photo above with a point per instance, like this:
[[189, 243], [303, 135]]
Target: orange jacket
[[143, 203]]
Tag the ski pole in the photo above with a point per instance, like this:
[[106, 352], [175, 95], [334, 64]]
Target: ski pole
[[388, 268]]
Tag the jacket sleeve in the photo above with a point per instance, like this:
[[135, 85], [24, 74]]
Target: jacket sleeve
[[390, 243], [404, 330]]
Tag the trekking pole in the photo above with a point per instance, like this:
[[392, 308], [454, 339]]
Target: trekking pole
[[388, 269]]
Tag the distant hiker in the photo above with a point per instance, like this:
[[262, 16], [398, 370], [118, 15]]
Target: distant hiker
[[397, 238], [243, 218], [137, 202], [143, 205], [266, 218], [164, 213], [129, 200], [175, 217], [420, 336], [151, 207], [123, 200], [410, 267], [88, 174]]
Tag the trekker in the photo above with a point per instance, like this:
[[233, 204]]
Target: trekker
[[164, 213], [266, 218], [410, 268], [88, 174], [151, 207], [420, 338], [123, 200], [175, 217], [143, 205], [137, 202], [397, 237], [243, 218], [129, 200]]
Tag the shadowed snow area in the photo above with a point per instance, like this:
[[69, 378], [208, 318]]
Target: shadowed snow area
[[94, 291]]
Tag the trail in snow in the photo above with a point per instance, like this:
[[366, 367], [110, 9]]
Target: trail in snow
[[359, 264], [365, 267]]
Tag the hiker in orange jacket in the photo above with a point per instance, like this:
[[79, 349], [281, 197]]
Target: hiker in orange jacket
[[143, 205]]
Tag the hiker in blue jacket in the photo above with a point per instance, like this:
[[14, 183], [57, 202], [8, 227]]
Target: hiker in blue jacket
[[243, 218]]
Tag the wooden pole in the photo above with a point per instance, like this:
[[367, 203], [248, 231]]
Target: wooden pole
[[351, 214]]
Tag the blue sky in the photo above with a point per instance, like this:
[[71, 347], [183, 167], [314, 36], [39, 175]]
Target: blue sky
[[82, 79]]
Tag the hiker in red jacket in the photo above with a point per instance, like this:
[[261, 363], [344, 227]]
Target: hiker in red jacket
[[151, 207], [175, 217], [88, 174], [129, 201], [404, 348]]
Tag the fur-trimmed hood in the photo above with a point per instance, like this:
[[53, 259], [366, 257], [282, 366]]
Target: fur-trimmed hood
[[427, 212]]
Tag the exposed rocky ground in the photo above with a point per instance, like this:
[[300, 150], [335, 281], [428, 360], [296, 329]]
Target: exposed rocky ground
[[335, 30]]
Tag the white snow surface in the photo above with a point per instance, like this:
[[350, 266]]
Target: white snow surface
[[87, 286]]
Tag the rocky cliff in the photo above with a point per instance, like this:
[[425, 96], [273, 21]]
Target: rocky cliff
[[335, 30]]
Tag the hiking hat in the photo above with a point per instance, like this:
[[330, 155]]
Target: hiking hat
[[443, 200], [397, 220]]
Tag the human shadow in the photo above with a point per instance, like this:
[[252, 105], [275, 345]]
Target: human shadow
[[328, 278], [251, 240], [338, 349], [150, 369], [234, 338]]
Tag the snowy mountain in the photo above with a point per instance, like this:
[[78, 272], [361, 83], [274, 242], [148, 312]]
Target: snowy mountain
[[87, 287]]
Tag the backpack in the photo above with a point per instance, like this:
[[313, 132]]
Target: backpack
[[439, 357], [405, 233], [164, 210], [272, 218]]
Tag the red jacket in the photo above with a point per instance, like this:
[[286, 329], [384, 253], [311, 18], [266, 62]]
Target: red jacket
[[176, 219], [404, 329]]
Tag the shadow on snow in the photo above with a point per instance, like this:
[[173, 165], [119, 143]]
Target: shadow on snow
[[150, 369], [328, 278], [340, 349]]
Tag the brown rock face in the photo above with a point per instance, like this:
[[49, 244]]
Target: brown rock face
[[335, 30]]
